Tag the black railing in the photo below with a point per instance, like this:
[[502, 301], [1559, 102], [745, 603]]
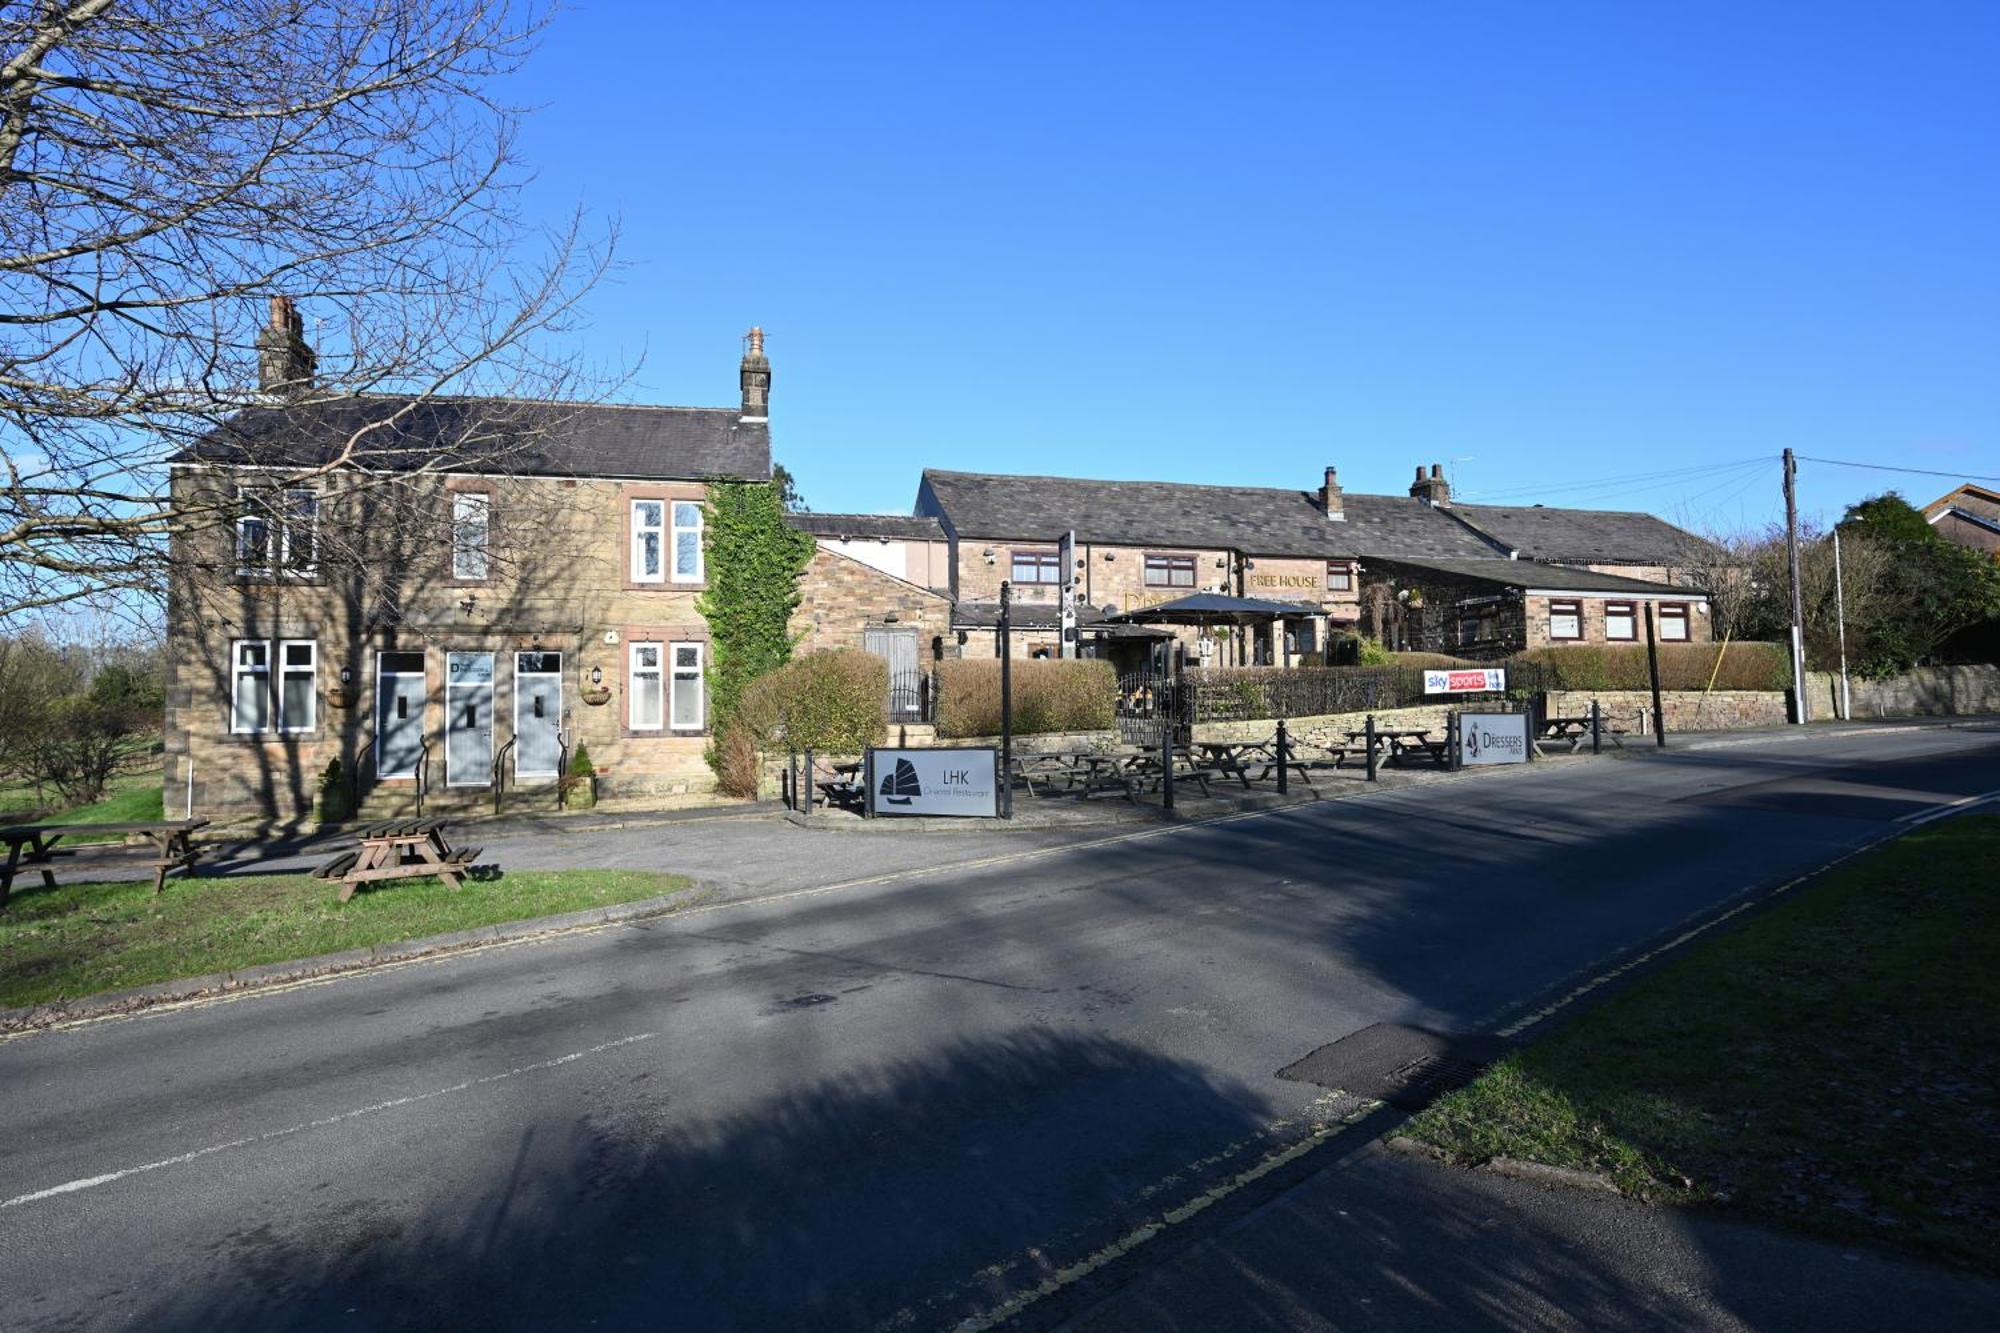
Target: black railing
[[500, 772], [562, 770], [1152, 705], [423, 771], [1240, 694], [912, 697]]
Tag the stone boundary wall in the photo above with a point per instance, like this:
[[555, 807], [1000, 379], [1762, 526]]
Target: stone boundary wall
[[1948, 691], [1685, 710]]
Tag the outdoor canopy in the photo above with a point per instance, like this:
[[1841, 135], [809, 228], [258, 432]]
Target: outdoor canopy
[[1208, 608]]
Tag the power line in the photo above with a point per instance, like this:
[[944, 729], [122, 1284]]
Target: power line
[[1891, 467], [1667, 476]]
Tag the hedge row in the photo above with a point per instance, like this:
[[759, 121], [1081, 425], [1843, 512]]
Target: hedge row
[[1683, 666], [1075, 695], [829, 701]]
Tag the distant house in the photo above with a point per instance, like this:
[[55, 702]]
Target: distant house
[[1492, 579], [1969, 516]]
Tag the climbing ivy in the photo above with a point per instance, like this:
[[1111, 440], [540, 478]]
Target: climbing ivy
[[754, 560]]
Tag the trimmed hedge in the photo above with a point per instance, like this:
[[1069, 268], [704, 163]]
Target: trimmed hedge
[[1683, 666], [1076, 695], [831, 702]]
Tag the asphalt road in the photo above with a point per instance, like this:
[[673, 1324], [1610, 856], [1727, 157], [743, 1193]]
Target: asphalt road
[[892, 1103]]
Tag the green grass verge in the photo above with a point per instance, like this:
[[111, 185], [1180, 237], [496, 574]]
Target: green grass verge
[[1829, 1064], [77, 939]]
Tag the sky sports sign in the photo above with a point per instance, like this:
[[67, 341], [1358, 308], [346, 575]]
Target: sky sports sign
[[1477, 680]]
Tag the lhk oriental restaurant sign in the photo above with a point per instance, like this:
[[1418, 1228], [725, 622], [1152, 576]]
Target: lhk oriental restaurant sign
[[1477, 680], [933, 782]]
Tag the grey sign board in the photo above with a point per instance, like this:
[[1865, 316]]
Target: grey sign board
[[1492, 738], [934, 782]]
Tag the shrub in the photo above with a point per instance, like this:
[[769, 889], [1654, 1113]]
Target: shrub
[[734, 757], [1078, 694], [831, 702], [576, 783], [1683, 666], [332, 793], [1372, 653]]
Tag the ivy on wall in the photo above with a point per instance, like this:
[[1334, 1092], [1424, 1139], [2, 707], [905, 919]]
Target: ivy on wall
[[753, 563]]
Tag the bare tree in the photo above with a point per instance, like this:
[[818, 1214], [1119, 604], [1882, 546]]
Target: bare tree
[[169, 170]]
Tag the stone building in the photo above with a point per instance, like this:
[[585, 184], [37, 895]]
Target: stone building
[[1338, 555], [450, 594]]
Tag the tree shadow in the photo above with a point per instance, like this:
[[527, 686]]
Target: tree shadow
[[834, 1205]]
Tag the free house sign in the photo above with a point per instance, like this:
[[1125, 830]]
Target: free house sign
[[933, 782]]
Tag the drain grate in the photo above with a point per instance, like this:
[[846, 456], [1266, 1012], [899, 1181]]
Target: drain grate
[[1407, 1067]]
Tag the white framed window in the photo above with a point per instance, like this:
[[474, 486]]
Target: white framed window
[[1339, 578], [686, 701], [1621, 622], [649, 538], [299, 526], [1566, 621], [647, 686], [298, 685], [1673, 622], [471, 513], [249, 685], [687, 541], [277, 532]]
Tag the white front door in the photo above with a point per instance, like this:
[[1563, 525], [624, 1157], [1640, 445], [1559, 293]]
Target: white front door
[[399, 714], [468, 727], [537, 714]]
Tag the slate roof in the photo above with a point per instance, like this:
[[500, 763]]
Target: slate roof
[[498, 435], [1025, 615], [1585, 536], [1531, 576], [889, 526], [1253, 519]]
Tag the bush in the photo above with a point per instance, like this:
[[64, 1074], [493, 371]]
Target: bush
[[85, 738], [1078, 694], [576, 783], [1683, 666], [831, 702], [332, 794]]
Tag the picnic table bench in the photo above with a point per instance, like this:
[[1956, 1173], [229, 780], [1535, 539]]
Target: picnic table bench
[[172, 847], [398, 849], [1576, 731], [1398, 744], [845, 787], [1235, 759]]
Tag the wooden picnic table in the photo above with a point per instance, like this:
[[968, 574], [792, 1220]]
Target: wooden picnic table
[[399, 849], [171, 846], [1398, 743], [1234, 759], [1576, 731]]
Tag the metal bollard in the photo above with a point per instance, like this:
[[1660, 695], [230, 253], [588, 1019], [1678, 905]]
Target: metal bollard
[[1167, 762], [1369, 732], [809, 781], [1596, 728], [1284, 756]]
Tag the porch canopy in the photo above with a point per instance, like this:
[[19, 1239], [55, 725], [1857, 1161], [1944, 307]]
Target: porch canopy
[[1208, 608]]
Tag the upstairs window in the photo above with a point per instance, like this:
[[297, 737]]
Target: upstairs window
[[649, 539], [687, 541], [277, 532], [1674, 622], [1621, 622], [1339, 578], [471, 514], [1565, 620], [1170, 571], [1037, 567]]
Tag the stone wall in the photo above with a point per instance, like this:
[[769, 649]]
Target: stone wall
[[1326, 728], [1950, 691], [1685, 710], [840, 597]]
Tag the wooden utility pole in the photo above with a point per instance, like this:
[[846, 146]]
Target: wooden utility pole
[[1798, 599]]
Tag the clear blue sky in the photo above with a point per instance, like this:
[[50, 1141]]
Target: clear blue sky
[[1558, 242]]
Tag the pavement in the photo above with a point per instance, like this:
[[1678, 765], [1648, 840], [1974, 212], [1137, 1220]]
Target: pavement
[[935, 1083]]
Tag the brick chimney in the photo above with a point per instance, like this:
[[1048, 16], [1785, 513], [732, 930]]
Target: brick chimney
[[756, 378], [1432, 490], [1330, 498], [284, 361]]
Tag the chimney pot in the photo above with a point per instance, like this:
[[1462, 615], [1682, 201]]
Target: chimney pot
[[1432, 489], [285, 361], [756, 378], [1330, 498]]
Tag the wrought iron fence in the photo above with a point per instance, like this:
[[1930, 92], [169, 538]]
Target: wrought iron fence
[[1149, 704], [912, 696], [1249, 693]]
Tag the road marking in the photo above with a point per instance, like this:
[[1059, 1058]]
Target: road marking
[[1949, 807], [92, 1182], [1070, 1274]]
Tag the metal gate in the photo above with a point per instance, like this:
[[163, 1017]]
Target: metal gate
[[1151, 704]]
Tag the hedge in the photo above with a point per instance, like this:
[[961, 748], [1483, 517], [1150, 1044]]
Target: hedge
[[1683, 666], [831, 702], [1055, 695]]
